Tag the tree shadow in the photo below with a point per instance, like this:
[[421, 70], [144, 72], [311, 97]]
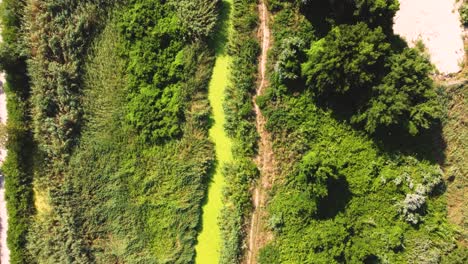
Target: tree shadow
[[219, 40], [428, 145], [372, 259], [335, 202]]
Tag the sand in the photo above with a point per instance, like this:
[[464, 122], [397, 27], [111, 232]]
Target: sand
[[4, 251], [437, 24]]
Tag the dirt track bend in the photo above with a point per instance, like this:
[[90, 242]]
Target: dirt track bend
[[257, 236]]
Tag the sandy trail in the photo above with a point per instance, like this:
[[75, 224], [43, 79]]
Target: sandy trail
[[437, 24], [4, 251], [257, 236]]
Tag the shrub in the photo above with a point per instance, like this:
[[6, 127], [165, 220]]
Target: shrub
[[197, 17], [464, 13], [406, 97], [18, 165], [412, 206], [347, 60], [288, 66]]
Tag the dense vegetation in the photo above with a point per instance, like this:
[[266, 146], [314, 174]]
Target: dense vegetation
[[120, 119], [350, 107], [109, 157], [240, 126], [464, 13], [18, 164]]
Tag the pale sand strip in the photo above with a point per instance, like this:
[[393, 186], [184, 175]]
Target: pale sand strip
[[437, 24]]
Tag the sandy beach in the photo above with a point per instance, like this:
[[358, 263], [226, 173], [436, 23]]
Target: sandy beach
[[437, 24]]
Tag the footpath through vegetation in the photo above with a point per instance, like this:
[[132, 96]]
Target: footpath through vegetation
[[265, 159], [4, 251], [358, 143], [209, 239]]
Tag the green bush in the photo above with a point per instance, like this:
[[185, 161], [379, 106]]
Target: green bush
[[198, 17], [347, 60], [240, 126], [363, 196], [464, 13], [406, 97], [18, 166], [120, 172]]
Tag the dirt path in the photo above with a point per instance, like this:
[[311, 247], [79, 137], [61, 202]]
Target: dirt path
[[4, 251], [258, 236]]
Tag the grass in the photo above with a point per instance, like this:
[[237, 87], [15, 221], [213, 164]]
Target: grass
[[209, 239]]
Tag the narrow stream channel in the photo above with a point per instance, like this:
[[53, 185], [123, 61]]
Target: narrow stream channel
[[209, 239]]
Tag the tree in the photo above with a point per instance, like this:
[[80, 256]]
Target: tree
[[376, 12], [197, 17], [288, 66], [348, 58], [314, 171], [405, 97]]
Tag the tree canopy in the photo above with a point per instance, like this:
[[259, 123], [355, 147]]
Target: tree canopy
[[348, 58]]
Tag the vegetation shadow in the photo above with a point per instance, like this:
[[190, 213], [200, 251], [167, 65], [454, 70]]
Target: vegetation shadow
[[218, 42], [428, 145], [207, 182], [335, 202]]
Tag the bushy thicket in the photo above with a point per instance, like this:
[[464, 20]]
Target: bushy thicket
[[58, 34], [464, 13], [240, 126], [154, 39], [17, 167], [358, 68], [346, 196], [339, 182], [123, 133], [197, 17], [386, 89]]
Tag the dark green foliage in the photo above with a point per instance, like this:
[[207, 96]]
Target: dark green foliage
[[108, 197], [288, 65], [342, 196], [269, 254], [197, 17], [240, 126], [406, 96], [154, 36], [238, 106], [387, 89], [346, 60], [119, 199], [375, 13], [153, 44], [314, 171], [17, 167], [339, 182], [464, 13], [55, 67], [239, 176]]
